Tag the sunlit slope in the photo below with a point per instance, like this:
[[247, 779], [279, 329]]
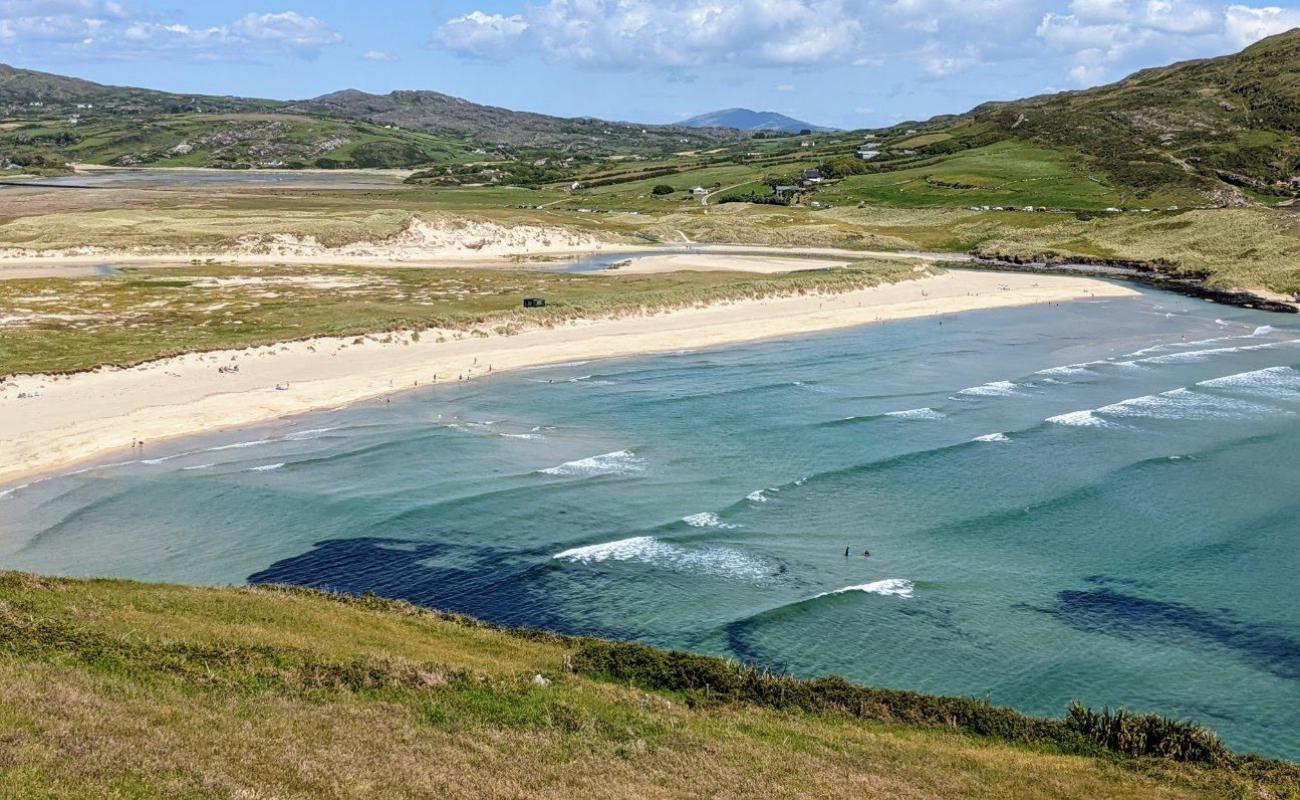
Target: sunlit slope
[[118, 689]]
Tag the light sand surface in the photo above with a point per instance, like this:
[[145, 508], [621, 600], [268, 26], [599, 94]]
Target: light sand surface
[[707, 261], [744, 258], [97, 414]]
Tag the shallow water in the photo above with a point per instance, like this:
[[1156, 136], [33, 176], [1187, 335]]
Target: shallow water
[[192, 178], [1094, 501]]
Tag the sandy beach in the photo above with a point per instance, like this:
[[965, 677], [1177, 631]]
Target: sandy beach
[[98, 414]]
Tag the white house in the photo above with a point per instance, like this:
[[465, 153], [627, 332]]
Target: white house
[[867, 155], [699, 191]]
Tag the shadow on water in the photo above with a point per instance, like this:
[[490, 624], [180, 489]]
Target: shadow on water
[[481, 582], [1107, 611]]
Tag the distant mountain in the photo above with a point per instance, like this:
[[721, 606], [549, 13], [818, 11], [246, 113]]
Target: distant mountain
[[744, 119], [433, 112], [27, 92], [73, 119]]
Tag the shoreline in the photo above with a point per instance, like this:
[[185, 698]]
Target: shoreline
[[186, 395]]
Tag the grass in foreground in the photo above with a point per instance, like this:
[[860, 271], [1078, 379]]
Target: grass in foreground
[[72, 324], [120, 689]]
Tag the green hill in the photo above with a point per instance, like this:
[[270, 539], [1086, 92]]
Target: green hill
[[119, 689], [1227, 128], [46, 120]]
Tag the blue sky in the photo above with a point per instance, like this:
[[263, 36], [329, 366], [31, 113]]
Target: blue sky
[[848, 63]]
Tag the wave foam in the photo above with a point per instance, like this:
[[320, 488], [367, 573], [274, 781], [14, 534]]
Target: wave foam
[[620, 462], [1274, 382], [719, 561], [310, 433], [196, 466], [889, 587], [13, 490], [266, 467], [1081, 368], [992, 437], [707, 519], [1177, 404], [1182, 404], [992, 389], [238, 445], [915, 413], [1080, 419], [812, 387], [757, 496]]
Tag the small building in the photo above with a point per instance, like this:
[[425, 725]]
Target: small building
[[699, 191], [867, 155], [783, 190], [1295, 182], [812, 176], [807, 143], [534, 302]]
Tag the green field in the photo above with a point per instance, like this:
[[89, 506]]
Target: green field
[[1005, 174], [113, 689]]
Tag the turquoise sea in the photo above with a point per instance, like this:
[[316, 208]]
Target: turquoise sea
[[1095, 501]]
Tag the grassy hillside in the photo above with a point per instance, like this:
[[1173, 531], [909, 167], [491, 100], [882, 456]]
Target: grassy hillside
[[44, 119], [1230, 121], [119, 689], [235, 140], [502, 128]]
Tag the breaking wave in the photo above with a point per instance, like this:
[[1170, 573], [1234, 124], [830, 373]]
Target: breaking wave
[[1273, 382], [724, 562], [992, 437], [238, 445], [707, 519], [916, 413], [992, 389], [889, 587], [620, 462], [266, 467]]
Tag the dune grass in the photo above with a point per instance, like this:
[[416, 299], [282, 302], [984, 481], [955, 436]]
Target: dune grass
[[120, 689], [1229, 248], [72, 324]]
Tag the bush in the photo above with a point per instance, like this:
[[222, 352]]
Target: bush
[[706, 680], [662, 188]]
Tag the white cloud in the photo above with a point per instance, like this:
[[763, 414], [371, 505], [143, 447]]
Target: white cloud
[[378, 55], [1105, 39], [663, 34], [106, 29], [1086, 41], [1245, 25], [479, 35]]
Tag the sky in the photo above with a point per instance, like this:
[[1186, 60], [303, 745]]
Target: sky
[[843, 63]]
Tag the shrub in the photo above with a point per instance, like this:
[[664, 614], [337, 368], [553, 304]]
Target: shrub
[[662, 188], [706, 680]]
